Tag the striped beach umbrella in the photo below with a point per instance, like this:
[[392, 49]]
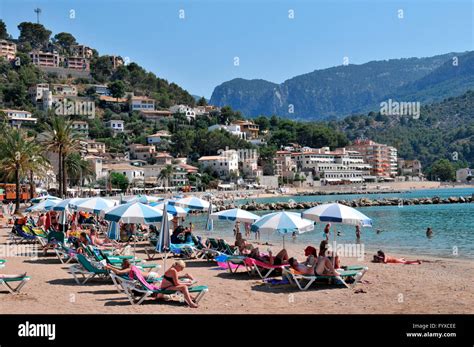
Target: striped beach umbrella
[[235, 214], [283, 223], [133, 213], [164, 241], [113, 231], [45, 205], [44, 197], [145, 199], [67, 203], [192, 202], [94, 205], [337, 213], [171, 209]]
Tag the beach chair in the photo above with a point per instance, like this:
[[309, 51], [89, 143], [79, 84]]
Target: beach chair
[[17, 235], [87, 269], [213, 244], [8, 283], [139, 290], [64, 253], [235, 262], [303, 282], [2, 263], [264, 270], [226, 248]]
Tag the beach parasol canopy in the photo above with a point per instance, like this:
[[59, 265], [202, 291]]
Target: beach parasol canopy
[[133, 213], [94, 205], [283, 223], [44, 197], [145, 199], [45, 205], [337, 213], [235, 214], [171, 209], [67, 203], [113, 231], [164, 241], [192, 202]]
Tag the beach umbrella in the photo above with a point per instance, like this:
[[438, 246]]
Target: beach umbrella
[[113, 231], [209, 222], [133, 213], [94, 205], [337, 213], [235, 214], [283, 223], [164, 241], [44, 197], [192, 202], [45, 205], [67, 203], [145, 199], [171, 209]]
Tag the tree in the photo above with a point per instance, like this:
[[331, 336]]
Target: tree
[[183, 141], [442, 169], [19, 155], [117, 89], [65, 41], [118, 180], [61, 138], [34, 34], [78, 169], [202, 101], [3, 31], [166, 174]]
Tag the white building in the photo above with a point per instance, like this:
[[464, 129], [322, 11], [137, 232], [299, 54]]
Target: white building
[[224, 164], [81, 127], [233, 129], [188, 111], [158, 137], [134, 174], [18, 117], [36, 92], [463, 174], [64, 89], [141, 103], [116, 125]]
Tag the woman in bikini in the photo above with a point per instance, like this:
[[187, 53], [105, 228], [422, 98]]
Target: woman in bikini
[[280, 259], [151, 277], [380, 257], [172, 282]]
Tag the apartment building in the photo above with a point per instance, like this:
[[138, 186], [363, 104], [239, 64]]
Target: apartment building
[[36, 92], [141, 152], [64, 89], [7, 49], [77, 63], [225, 164], [381, 157], [82, 51], [81, 127], [141, 103], [18, 117], [284, 164], [409, 167], [45, 59], [249, 128]]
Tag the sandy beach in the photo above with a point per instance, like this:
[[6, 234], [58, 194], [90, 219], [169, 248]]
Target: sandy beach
[[436, 286]]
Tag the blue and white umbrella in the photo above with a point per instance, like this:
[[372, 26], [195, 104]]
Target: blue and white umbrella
[[45, 205], [209, 222], [164, 241], [236, 214], [113, 231], [44, 197], [134, 213], [145, 199], [337, 213], [66, 204], [171, 209], [192, 203], [283, 223], [94, 205]]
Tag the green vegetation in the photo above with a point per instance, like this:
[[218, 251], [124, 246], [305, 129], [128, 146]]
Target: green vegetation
[[119, 181]]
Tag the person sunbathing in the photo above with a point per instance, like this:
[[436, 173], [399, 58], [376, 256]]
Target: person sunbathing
[[104, 243], [242, 244], [127, 267], [301, 267], [311, 255], [381, 257], [323, 251], [172, 282], [280, 259]]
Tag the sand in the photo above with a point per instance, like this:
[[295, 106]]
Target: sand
[[438, 286]]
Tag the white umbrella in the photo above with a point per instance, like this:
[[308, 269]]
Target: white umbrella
[[283, 223], [192, 203], [164, 242], [45, 197], [235, 214], [94, 205], [45, 205], [337, 213], [67, 203], [134, 213]]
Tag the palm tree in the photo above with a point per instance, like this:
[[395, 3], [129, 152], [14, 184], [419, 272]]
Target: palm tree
[[19, 156], [62, 139], [166, 173], [78, 169]]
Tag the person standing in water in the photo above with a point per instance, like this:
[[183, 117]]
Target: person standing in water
[[358, 232], [429, 232], [327, 229]]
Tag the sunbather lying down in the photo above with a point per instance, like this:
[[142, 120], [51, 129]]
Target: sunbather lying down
[[127, 268], [280, 259], [323, 267], [381, 257], [2, 276]]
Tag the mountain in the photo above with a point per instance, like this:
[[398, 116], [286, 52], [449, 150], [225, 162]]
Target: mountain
[[443, 129], [342, 90]]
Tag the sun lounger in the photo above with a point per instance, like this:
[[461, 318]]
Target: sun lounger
[[226, 248], [2, 263], [300, 279], [139, 290], [17, 235], [256, 266], [87, 269], [8, 283]]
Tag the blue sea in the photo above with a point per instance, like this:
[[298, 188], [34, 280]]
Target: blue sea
[[402, 229]]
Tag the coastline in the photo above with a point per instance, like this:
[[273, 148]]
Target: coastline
[[436, 286]]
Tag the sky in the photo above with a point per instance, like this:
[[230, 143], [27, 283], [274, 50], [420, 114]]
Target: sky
[[200, 44]]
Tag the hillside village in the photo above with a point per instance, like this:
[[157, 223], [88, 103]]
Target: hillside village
[[156, 136]]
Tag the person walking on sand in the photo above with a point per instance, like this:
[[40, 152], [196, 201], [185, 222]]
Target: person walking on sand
[[358, 232]]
